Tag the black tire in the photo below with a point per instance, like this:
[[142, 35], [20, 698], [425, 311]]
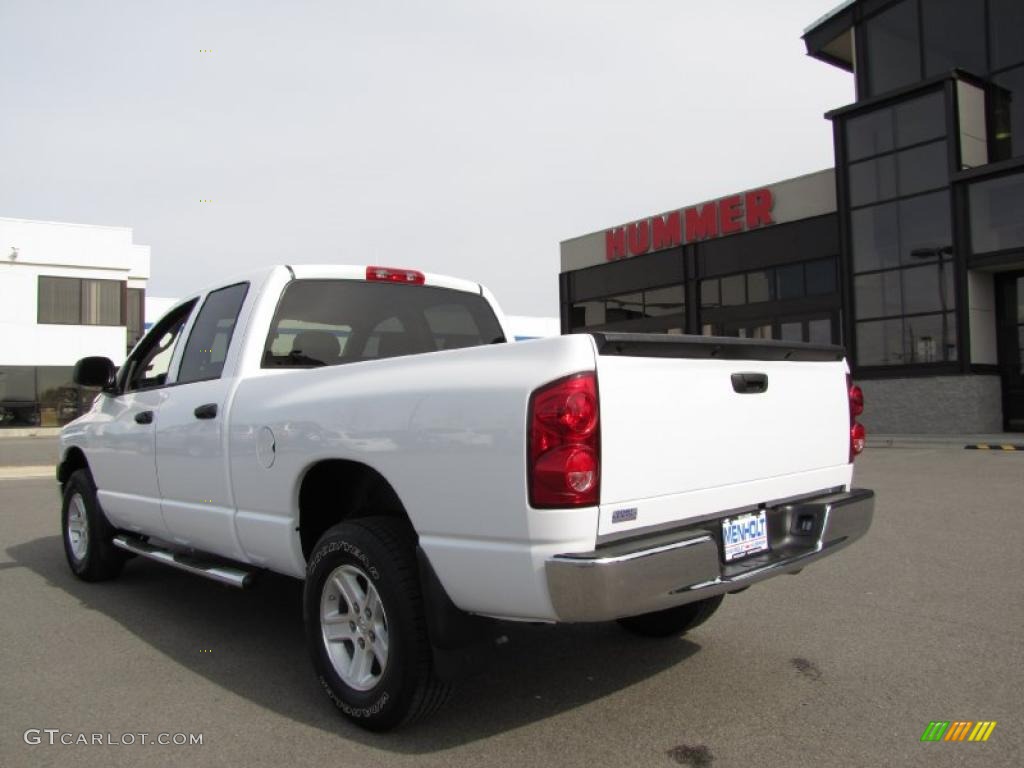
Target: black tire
[[673, 621], [378, 551], [89, 548]]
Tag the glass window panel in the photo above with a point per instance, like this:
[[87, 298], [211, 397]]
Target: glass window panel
[[60, 300], [588, 313], [664, 301], [759, 286], [821, 277], [878, 294], [1020, 348], [790, 281], [211, 334], [997, 222], [870, 134], [872, 180], [921, 119], [90, 302], [1020, 300], [58, 396], [135, 315], [367, 312], [925, 229], [709, 294], [17, 384], [930, 339], [151, 360], [820, 331], [1012, 145], [954, 36], [101, 302], [283, 341], [792, 331], [1006, 18], [893, 48], [875, 237], [880, 342], [733, 290], [629, 306], [18, 403], [927, 288], [923, 168], [452, 326]]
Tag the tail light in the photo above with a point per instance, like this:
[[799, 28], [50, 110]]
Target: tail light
[[858, 435], [564, 448], [392, 275]]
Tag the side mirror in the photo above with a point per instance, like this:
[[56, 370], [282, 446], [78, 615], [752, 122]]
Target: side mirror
[[94, 372]]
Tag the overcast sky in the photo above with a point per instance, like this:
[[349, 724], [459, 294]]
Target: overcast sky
[[457, 136]]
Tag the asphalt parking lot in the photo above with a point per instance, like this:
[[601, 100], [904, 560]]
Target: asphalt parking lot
[[845, 664]]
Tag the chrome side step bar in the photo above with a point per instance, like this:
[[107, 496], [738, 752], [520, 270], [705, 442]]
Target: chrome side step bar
[[225, 574]]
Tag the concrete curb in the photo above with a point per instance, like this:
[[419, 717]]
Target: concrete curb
[[21, 473], [29, 432]]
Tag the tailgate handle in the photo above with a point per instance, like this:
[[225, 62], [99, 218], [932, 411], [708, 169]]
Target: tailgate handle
[[750, 383]]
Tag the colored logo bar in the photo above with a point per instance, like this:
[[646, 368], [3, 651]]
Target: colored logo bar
[[958, 730]]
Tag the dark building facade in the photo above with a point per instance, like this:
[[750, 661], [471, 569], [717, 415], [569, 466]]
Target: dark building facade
[[918, 268]]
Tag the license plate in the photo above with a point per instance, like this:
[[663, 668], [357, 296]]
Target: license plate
[[744, 535]]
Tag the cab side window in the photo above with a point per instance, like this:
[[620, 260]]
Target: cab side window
[[208, 343], [149, 364]]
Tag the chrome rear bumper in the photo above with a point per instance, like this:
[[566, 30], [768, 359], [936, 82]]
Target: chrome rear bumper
[[676, 568]]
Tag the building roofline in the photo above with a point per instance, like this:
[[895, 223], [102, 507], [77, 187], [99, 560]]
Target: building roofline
[[828, 16], [824, 37], [65, 223]]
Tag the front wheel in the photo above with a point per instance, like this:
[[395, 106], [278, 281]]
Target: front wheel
[[87, 534], [673, 621], [365, 624]]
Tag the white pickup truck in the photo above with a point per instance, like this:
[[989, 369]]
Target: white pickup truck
[[370, 431]]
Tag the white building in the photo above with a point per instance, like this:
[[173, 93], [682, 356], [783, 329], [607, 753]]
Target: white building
[[157, 307], [66, 291]]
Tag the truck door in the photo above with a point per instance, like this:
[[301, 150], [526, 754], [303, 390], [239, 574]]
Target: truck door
[[121, 447], [195, 489]]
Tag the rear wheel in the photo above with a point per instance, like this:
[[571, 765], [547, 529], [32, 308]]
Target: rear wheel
[[365, 624], [673, 621], [88, 537]]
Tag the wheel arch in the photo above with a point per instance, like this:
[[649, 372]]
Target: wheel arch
[[73, 460], [335, 490]]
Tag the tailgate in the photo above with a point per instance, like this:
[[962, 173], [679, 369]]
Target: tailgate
[[693, 427]]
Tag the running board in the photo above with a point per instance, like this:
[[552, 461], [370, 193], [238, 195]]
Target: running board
[[225, 574]]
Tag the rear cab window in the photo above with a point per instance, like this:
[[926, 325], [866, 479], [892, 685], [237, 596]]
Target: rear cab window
[[332, 322]]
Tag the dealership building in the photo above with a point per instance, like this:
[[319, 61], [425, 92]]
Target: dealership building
[[66, 291], [910, 252]]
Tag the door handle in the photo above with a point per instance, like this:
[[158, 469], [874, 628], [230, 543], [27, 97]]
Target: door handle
[[750, 383], [144, 417], [207, 411]]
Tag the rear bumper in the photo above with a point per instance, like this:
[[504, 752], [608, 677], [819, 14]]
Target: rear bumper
[[672, 569]]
